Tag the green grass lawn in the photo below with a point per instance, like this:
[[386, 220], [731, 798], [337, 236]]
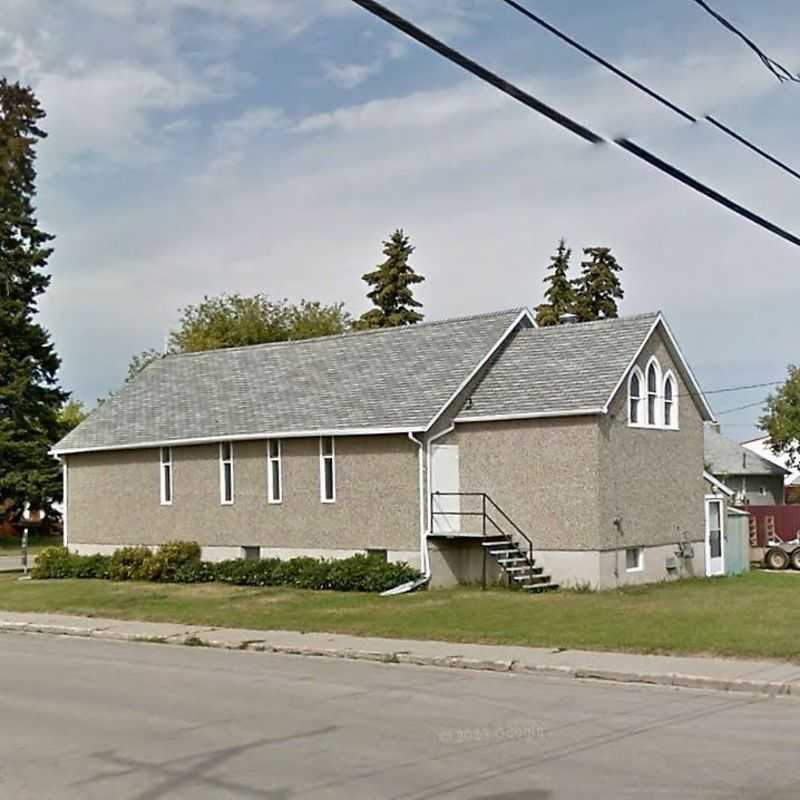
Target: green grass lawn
[[754, 615], [10, 545]]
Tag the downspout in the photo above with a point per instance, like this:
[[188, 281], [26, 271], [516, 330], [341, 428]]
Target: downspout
[[424, 561], [65, 485]]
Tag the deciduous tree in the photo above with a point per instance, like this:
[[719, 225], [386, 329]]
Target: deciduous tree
[[781, 419]]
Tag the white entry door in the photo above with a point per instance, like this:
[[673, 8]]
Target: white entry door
[[444, 478], [715, 537]]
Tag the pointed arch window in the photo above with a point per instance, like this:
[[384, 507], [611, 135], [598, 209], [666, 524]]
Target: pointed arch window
[[670, 397], [653, 381], [635, 397]]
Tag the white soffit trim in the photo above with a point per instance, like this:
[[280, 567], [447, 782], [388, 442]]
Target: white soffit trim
[[695, 389], [718, 483], [240, 438], [524, 314], [579, 412]]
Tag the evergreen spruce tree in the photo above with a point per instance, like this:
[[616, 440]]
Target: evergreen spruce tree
[[391, 293], [598, 288], [30, 398], [560, 293]]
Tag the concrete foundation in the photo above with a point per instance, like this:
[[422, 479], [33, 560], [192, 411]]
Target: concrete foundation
[[460, 561]]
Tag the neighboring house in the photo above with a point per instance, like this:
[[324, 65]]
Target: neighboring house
[[588, 436], [761, 447], [753, 479], [728, 535]]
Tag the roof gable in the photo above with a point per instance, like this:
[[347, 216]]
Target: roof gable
[[725, 457], [570, 369], [560, 370], [388, 380]]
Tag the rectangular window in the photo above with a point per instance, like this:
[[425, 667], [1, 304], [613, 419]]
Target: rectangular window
[[327, 469], [634, 559], [251, 553], [226, 473], [274, 471], [166, 476]]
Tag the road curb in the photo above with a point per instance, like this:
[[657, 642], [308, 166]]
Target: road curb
[[204, 638]]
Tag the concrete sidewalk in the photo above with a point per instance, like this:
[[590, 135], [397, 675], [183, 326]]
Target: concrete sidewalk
[[13, 563], [764, 677]]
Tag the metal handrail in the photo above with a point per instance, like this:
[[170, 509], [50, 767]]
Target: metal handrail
[[485, 498]]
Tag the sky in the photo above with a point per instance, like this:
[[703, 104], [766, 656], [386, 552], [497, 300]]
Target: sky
[[198, 147]]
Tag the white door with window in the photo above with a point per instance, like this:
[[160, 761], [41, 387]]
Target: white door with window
[[715, 537], [445, 478]]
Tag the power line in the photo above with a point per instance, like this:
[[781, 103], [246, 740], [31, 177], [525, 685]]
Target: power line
[[659, 98], [777, 69], [578, 129], [600, 60], [733, 388], [741, 408]]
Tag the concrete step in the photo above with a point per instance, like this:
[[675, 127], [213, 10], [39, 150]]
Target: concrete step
[[536, 588]]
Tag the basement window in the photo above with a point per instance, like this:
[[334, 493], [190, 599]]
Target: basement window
[[327, 469], [166, 476], [274, 476], [634, 559], [226, 473], [251, 553]]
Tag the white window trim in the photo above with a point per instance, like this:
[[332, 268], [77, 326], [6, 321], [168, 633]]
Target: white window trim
[[222, 500], [676, 420], [640, 562], [658, 422], [636, 372], [322, 458], [270, 488], [162, 482], [644, 400]]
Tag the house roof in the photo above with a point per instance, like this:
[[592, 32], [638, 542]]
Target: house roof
[[761, 447], [397, 379], [726, 457], [564, 369]]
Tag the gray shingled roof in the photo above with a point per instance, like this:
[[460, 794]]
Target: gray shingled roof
[[386, 379], [726, 457], [560, 369]]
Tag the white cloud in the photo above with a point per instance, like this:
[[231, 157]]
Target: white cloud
[[348, 76]]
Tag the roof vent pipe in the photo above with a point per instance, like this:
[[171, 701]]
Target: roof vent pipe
[[567, 319]]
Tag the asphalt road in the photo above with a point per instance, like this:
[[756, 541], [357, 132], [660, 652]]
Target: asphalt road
[[91, 719]]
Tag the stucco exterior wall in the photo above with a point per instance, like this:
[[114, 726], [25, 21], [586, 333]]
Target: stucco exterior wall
[[542, 473], [114, 499], [651, 480]]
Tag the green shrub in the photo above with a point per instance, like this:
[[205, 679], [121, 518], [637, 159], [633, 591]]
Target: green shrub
[[362, 573], [53, 562], [131, 564], [58, 562], [247, 573], [95, 566], [179, 562], [172, 557], [303, 572], [195, 572]]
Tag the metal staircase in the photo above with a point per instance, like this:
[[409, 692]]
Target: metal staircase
[[503, 540]]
